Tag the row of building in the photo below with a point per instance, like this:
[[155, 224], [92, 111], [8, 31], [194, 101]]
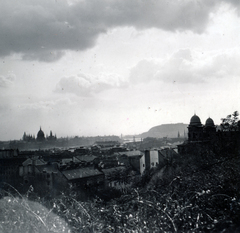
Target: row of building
[[81, 171]]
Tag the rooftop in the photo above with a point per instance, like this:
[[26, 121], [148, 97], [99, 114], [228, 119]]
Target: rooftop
[[132, 153], [79, 173]]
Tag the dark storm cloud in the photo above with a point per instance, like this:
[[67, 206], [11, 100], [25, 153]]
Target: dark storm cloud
[[43, 29], [32, 29], [47, 56]]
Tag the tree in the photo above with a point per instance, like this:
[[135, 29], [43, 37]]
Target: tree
[[231, 122]]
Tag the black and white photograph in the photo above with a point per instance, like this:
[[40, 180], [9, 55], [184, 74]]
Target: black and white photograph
[[119, 116]]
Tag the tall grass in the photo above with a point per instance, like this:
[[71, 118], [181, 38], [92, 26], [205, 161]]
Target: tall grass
[[20, 215]]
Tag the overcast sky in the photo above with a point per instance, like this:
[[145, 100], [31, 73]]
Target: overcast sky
[[112, 67]]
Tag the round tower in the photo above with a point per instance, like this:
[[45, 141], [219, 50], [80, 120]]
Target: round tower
[[195, 129], [209, 129]]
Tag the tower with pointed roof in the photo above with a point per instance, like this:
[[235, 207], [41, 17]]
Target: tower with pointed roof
[[51, 137]]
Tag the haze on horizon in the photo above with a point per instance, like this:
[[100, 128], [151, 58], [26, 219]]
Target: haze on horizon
[[88, 67]]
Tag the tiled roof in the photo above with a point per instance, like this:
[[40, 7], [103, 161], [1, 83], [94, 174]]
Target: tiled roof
[[81, 173], [47, 168], [33, 161], [66, 160], [132, 153], [85, 158], [108, 171], [175, 150]]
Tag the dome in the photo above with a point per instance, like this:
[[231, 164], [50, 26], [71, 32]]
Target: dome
[[40, 134], [195, 120], [209, 122]]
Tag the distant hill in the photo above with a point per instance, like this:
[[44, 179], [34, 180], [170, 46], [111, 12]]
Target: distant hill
[[166, 130]]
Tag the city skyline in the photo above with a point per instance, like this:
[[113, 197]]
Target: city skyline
[[87, 68]]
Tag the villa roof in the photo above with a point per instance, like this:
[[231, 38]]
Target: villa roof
[[33, 161], [108, 171], [133, 153], [79, 173], [49, 168], [85, 158]]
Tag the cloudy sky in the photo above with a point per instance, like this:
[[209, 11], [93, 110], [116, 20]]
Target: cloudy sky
[[90, 67]]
